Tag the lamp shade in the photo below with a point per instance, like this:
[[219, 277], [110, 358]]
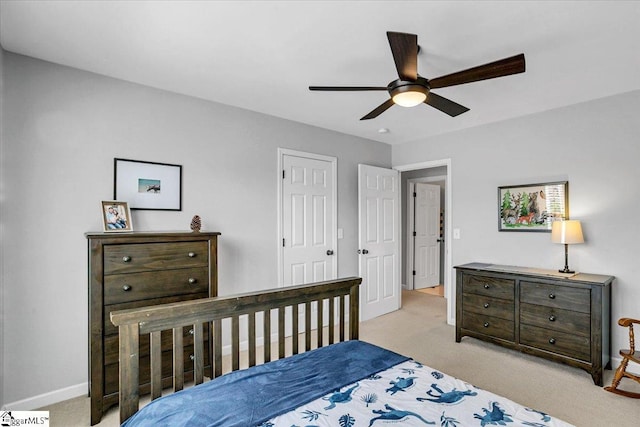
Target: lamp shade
[[568, 232]]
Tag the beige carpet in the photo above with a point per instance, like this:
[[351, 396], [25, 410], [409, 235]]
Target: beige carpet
[[436, 290], [564, 392]]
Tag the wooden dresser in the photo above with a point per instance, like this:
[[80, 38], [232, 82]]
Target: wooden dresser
[[540, 312], [129, 270]]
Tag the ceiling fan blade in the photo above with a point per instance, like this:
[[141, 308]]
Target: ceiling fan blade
[[445, 105], [501, 68], [404, 48], [379, 110], [347, 88]]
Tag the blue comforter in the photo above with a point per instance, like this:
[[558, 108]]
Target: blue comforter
[[255, 395]]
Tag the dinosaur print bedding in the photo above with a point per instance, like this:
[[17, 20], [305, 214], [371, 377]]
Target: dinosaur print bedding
[[412, 394], [348, 384]]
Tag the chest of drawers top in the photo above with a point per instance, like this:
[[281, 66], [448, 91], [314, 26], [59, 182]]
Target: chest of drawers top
[[146, 236], [538, 274]]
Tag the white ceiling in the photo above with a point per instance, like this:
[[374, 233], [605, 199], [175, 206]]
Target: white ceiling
[[263, 55]]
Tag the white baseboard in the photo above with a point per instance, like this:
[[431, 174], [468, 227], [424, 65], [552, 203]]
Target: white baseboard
[[49, 398]]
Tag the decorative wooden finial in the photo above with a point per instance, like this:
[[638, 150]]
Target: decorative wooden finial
[[196, 223]]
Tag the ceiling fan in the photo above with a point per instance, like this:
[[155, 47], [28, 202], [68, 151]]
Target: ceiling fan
[[411, 89]]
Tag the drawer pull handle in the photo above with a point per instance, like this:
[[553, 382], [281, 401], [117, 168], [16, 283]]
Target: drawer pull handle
[[126, 288], [193, 280], [486, 324], [192, 254], [486, 305], [486, 286], [552, 296], [552, 318], [126, 258], [552, 340]]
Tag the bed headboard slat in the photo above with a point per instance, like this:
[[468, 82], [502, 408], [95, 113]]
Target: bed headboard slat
[[198, 353], [307, 325], [155, 351], [235, 343], [178, 359]]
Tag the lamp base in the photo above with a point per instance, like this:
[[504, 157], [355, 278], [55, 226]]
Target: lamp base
[[566, 270]]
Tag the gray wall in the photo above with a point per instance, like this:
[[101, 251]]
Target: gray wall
[[2, 208], [62, 129], [594, 146]]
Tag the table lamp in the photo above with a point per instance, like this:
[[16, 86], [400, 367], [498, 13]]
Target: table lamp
[[567, 232]]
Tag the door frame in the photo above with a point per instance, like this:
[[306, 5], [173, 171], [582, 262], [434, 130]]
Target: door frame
[[410, 216], [333, 234], [449, 291]]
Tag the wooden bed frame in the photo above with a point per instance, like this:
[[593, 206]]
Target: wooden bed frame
[[175, 316]]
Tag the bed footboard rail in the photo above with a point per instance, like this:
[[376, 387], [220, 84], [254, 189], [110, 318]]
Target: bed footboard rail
[[284, 303]]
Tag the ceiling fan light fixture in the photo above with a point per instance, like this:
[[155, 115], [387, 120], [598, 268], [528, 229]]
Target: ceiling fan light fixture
[[407, 94], [409, 99]]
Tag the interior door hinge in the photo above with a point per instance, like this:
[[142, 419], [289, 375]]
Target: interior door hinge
[[414, 272], [415, 194], [282, 173], [283, 243], [414, 234]]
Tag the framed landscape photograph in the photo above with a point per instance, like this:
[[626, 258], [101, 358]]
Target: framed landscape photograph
[[116, 216], [532, 207], [148, 185]]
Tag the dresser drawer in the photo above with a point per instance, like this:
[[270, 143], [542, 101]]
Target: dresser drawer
[[556, 319], [571, 345], [489, 286], [488, 325], [566, 297], [154, 284], [132, 258], [488, 306]]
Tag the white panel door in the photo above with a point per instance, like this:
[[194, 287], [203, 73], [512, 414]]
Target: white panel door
[[308, 220], [379, 238], [427, 235]]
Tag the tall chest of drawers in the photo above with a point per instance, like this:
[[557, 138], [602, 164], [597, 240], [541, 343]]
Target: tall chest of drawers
[[134, 270], [539, 312]]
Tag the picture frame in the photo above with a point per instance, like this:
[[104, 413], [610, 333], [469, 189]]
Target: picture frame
[[532, 207], [148, 185], [116, 216]]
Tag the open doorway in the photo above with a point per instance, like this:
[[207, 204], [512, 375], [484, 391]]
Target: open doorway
[[433, 173], [424, 234]]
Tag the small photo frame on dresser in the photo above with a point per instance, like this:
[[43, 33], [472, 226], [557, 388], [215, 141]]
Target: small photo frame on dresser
[[116, 216]]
